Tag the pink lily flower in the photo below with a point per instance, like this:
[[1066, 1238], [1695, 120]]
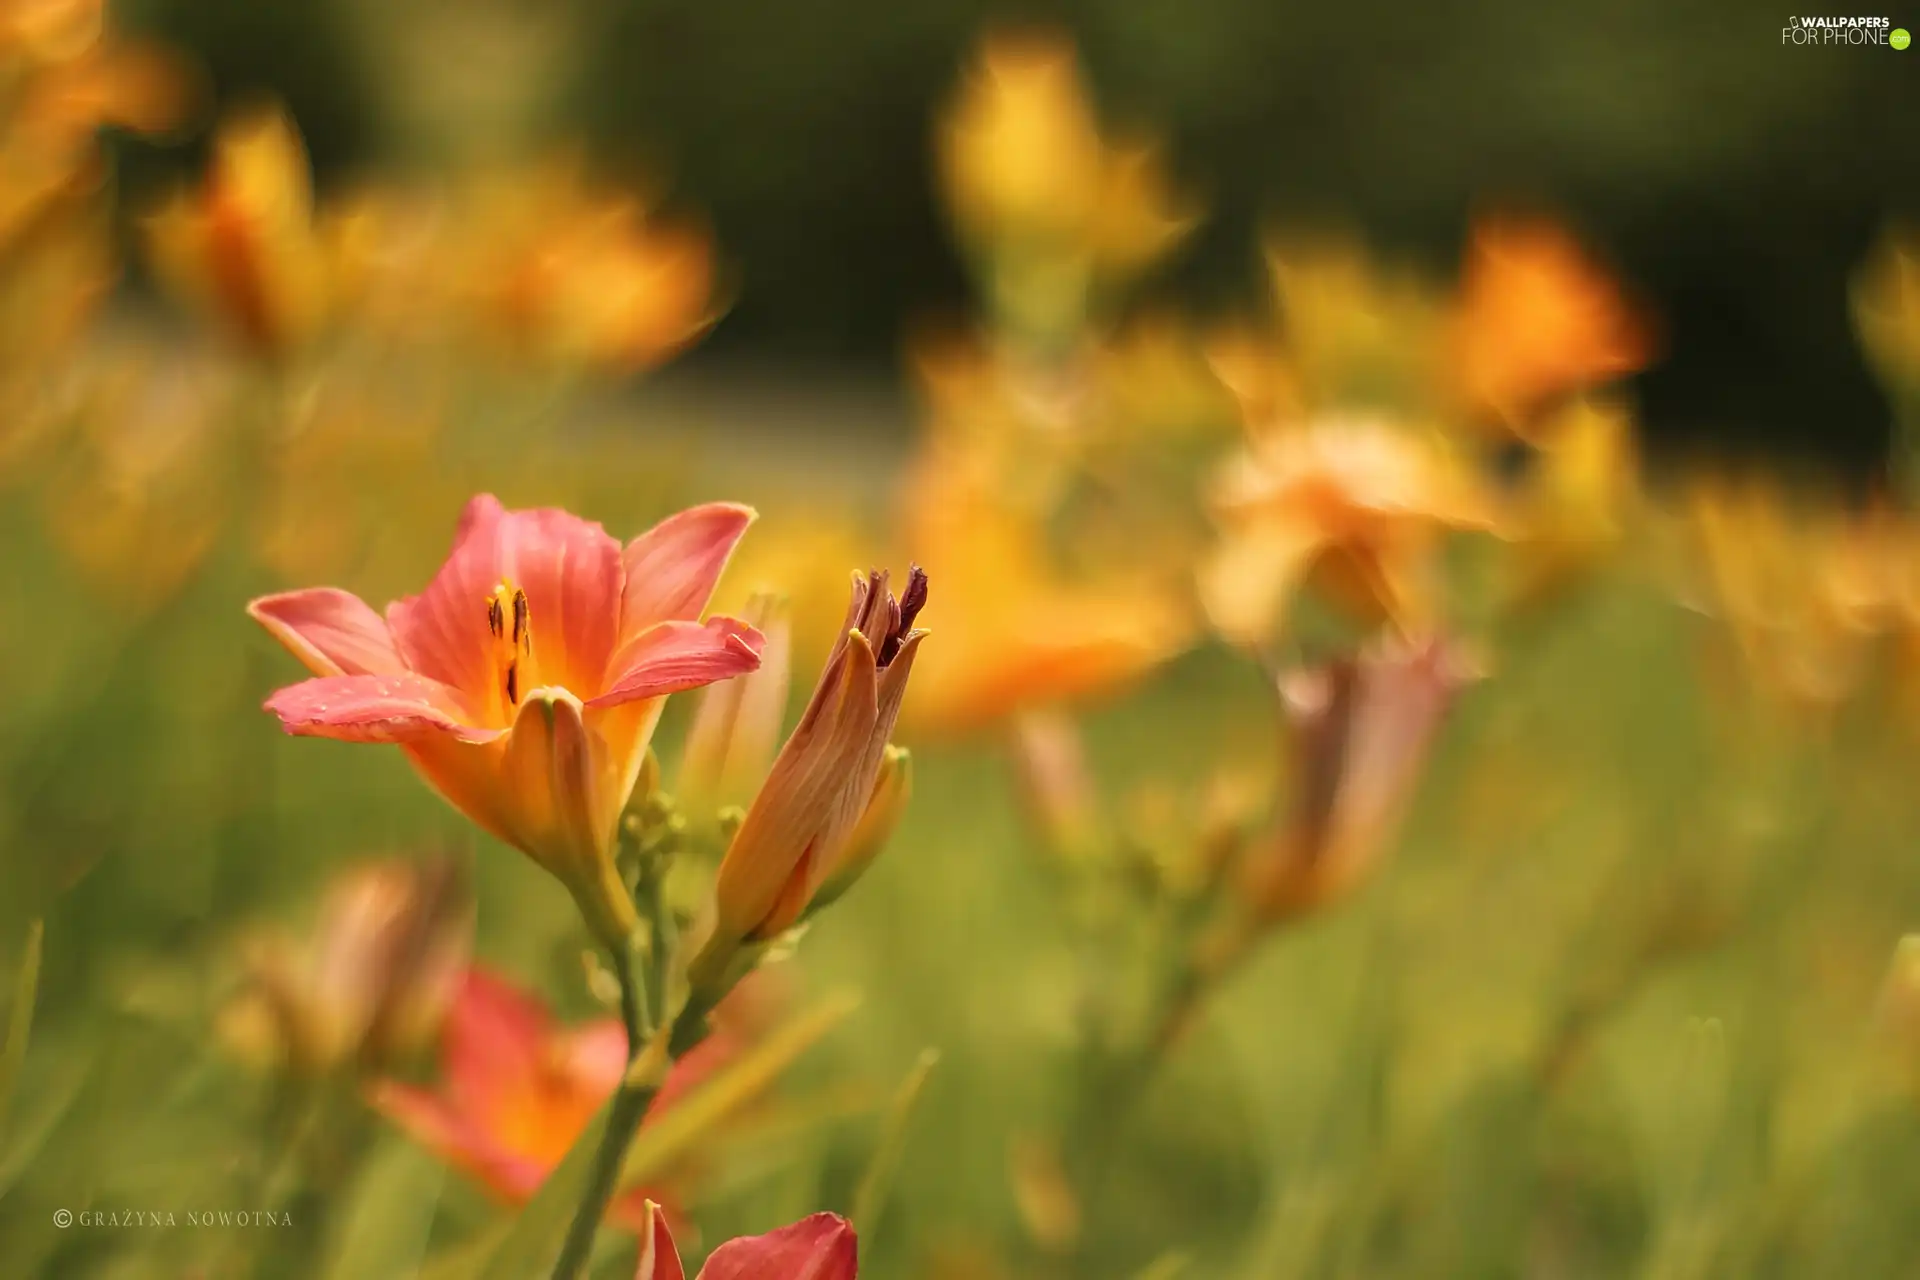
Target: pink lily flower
[[820, 1247], [525, 681]]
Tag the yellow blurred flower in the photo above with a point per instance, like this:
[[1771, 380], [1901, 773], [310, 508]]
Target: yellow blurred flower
[[1008, 417], [389, 264], [1568, 511], [565, 272], [243, 247], [138, 490], [1114, 410], [1354, 329], [803, 560], [1804, 590], [1535, 319], [1355, 508], [1015, 632], [1886, 307], [1023, 161]]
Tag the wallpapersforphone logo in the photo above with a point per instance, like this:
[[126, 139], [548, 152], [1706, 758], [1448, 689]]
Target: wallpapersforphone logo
[[161, 1219], [1860, 31]]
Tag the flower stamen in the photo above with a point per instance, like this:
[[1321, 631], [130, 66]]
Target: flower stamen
[[511, 624], [903, 612]]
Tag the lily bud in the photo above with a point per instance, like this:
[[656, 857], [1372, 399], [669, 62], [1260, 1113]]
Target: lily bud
[[736, 726], [373, 982], [793, 837], [1361, 730], [888, 804]]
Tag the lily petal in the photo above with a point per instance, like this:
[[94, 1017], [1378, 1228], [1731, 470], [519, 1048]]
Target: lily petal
[[820, 1247], [659, 1259], [672, 568], [400, 707], [334, 632], [669, 657], [442, 631], [1246, 585], [491, 1041], [456, 1137], [570, 570], [805, 806], [555, 803]]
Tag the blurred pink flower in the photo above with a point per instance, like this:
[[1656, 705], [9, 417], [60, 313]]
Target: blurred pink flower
[[540, 743], [516, 1091]]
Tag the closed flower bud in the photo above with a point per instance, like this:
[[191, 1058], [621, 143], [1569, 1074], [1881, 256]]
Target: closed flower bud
[[1361, 730], [793, 836], [374, 980], [888, 804]]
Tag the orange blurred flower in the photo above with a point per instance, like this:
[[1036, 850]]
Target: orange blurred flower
[[565, 272], [1352, 330], [373, 982], [1571, 507], [1016, 632], [1356, 508], [525, 682], [243, 247], [516, 1091], [1031, 425], [1537, 318], [67, 78]]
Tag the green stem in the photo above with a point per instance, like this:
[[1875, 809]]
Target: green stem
[[630, 1102]]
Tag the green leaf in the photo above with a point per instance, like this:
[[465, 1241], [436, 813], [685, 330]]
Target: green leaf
[[383, 1233], [26, 987], [871, 1197], [49, 1105], [467, 1259]]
